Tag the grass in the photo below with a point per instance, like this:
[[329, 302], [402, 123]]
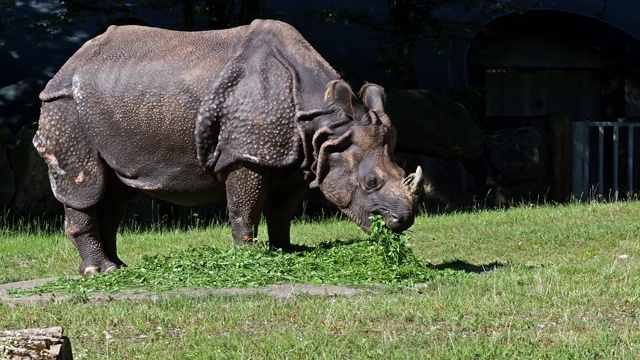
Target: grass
[[557, 282]]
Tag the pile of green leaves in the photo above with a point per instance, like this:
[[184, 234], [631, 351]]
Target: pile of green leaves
[[384, 258], [391, 247]]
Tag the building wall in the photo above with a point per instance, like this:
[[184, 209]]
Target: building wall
[[563, 57], [622, 15]]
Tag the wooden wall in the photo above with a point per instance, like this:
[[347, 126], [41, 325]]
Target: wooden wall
[[532, 92]]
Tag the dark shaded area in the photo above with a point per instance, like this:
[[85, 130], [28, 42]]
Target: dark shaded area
[[301, 249]]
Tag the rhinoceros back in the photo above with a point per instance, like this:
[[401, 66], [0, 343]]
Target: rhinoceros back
[[140, 47], [136, 92]]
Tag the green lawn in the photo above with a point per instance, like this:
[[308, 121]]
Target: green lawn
[[556, 282]]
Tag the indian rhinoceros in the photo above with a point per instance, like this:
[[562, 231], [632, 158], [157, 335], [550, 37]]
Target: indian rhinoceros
[[252, 113]]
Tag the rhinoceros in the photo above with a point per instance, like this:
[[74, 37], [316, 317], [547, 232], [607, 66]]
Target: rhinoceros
[[252, 113]]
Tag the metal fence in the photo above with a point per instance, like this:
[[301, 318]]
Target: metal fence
[[603, 161]]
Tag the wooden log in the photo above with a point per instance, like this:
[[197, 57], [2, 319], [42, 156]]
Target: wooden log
[[40, 344]]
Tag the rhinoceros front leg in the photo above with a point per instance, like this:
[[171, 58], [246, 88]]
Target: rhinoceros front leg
[[280, 208], [246, 187]]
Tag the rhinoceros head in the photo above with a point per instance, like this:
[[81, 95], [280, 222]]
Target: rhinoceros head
[[355, 169]]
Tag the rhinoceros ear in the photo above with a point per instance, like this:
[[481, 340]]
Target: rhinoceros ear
[[373, 96], [339, 94]]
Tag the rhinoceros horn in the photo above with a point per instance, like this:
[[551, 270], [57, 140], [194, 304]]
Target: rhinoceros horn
[[413, 184]]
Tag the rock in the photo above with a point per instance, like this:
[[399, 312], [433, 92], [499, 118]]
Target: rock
[[19, 106], [433, 125], [515, 194], [448, 186], [518, 168], [33, 195], [517, 155]]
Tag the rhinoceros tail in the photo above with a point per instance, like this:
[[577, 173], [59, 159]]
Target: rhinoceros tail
[[48, 96]]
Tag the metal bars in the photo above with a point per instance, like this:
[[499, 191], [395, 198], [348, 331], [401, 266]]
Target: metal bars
[[600, 176]]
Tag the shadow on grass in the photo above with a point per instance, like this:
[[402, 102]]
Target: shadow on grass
[[302, 249], [460, 265], [456, 265]]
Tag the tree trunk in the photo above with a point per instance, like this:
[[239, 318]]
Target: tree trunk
[[39, 344]]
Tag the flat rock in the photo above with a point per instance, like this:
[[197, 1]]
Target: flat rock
[[280, 291], [432, 124]]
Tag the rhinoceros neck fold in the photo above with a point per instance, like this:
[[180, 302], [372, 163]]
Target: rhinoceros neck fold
[[315, 129]]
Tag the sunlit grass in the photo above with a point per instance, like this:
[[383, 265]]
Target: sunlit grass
[[557, 282]]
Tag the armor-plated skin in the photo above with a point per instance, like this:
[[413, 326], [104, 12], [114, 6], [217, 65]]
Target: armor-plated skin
[[253, 114]]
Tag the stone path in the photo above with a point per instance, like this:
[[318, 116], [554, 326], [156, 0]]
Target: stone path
[[281, 291]]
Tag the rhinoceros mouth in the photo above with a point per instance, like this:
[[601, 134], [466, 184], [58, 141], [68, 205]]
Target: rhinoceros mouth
[[397, 222]]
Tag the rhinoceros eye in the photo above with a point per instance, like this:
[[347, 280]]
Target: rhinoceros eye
[[371, 181]]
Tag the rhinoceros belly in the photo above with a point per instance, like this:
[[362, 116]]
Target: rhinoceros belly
[[164, 168], [150, 143], [182, 185]]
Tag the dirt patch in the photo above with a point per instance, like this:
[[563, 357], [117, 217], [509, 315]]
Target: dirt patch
[[280, 291]]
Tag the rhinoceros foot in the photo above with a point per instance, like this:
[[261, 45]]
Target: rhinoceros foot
[[90, 269]]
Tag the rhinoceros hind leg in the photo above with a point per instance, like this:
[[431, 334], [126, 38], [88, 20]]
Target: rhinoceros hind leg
[[81, 226], [111, 211], [93, 230], [279, 210], [246, 187]]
